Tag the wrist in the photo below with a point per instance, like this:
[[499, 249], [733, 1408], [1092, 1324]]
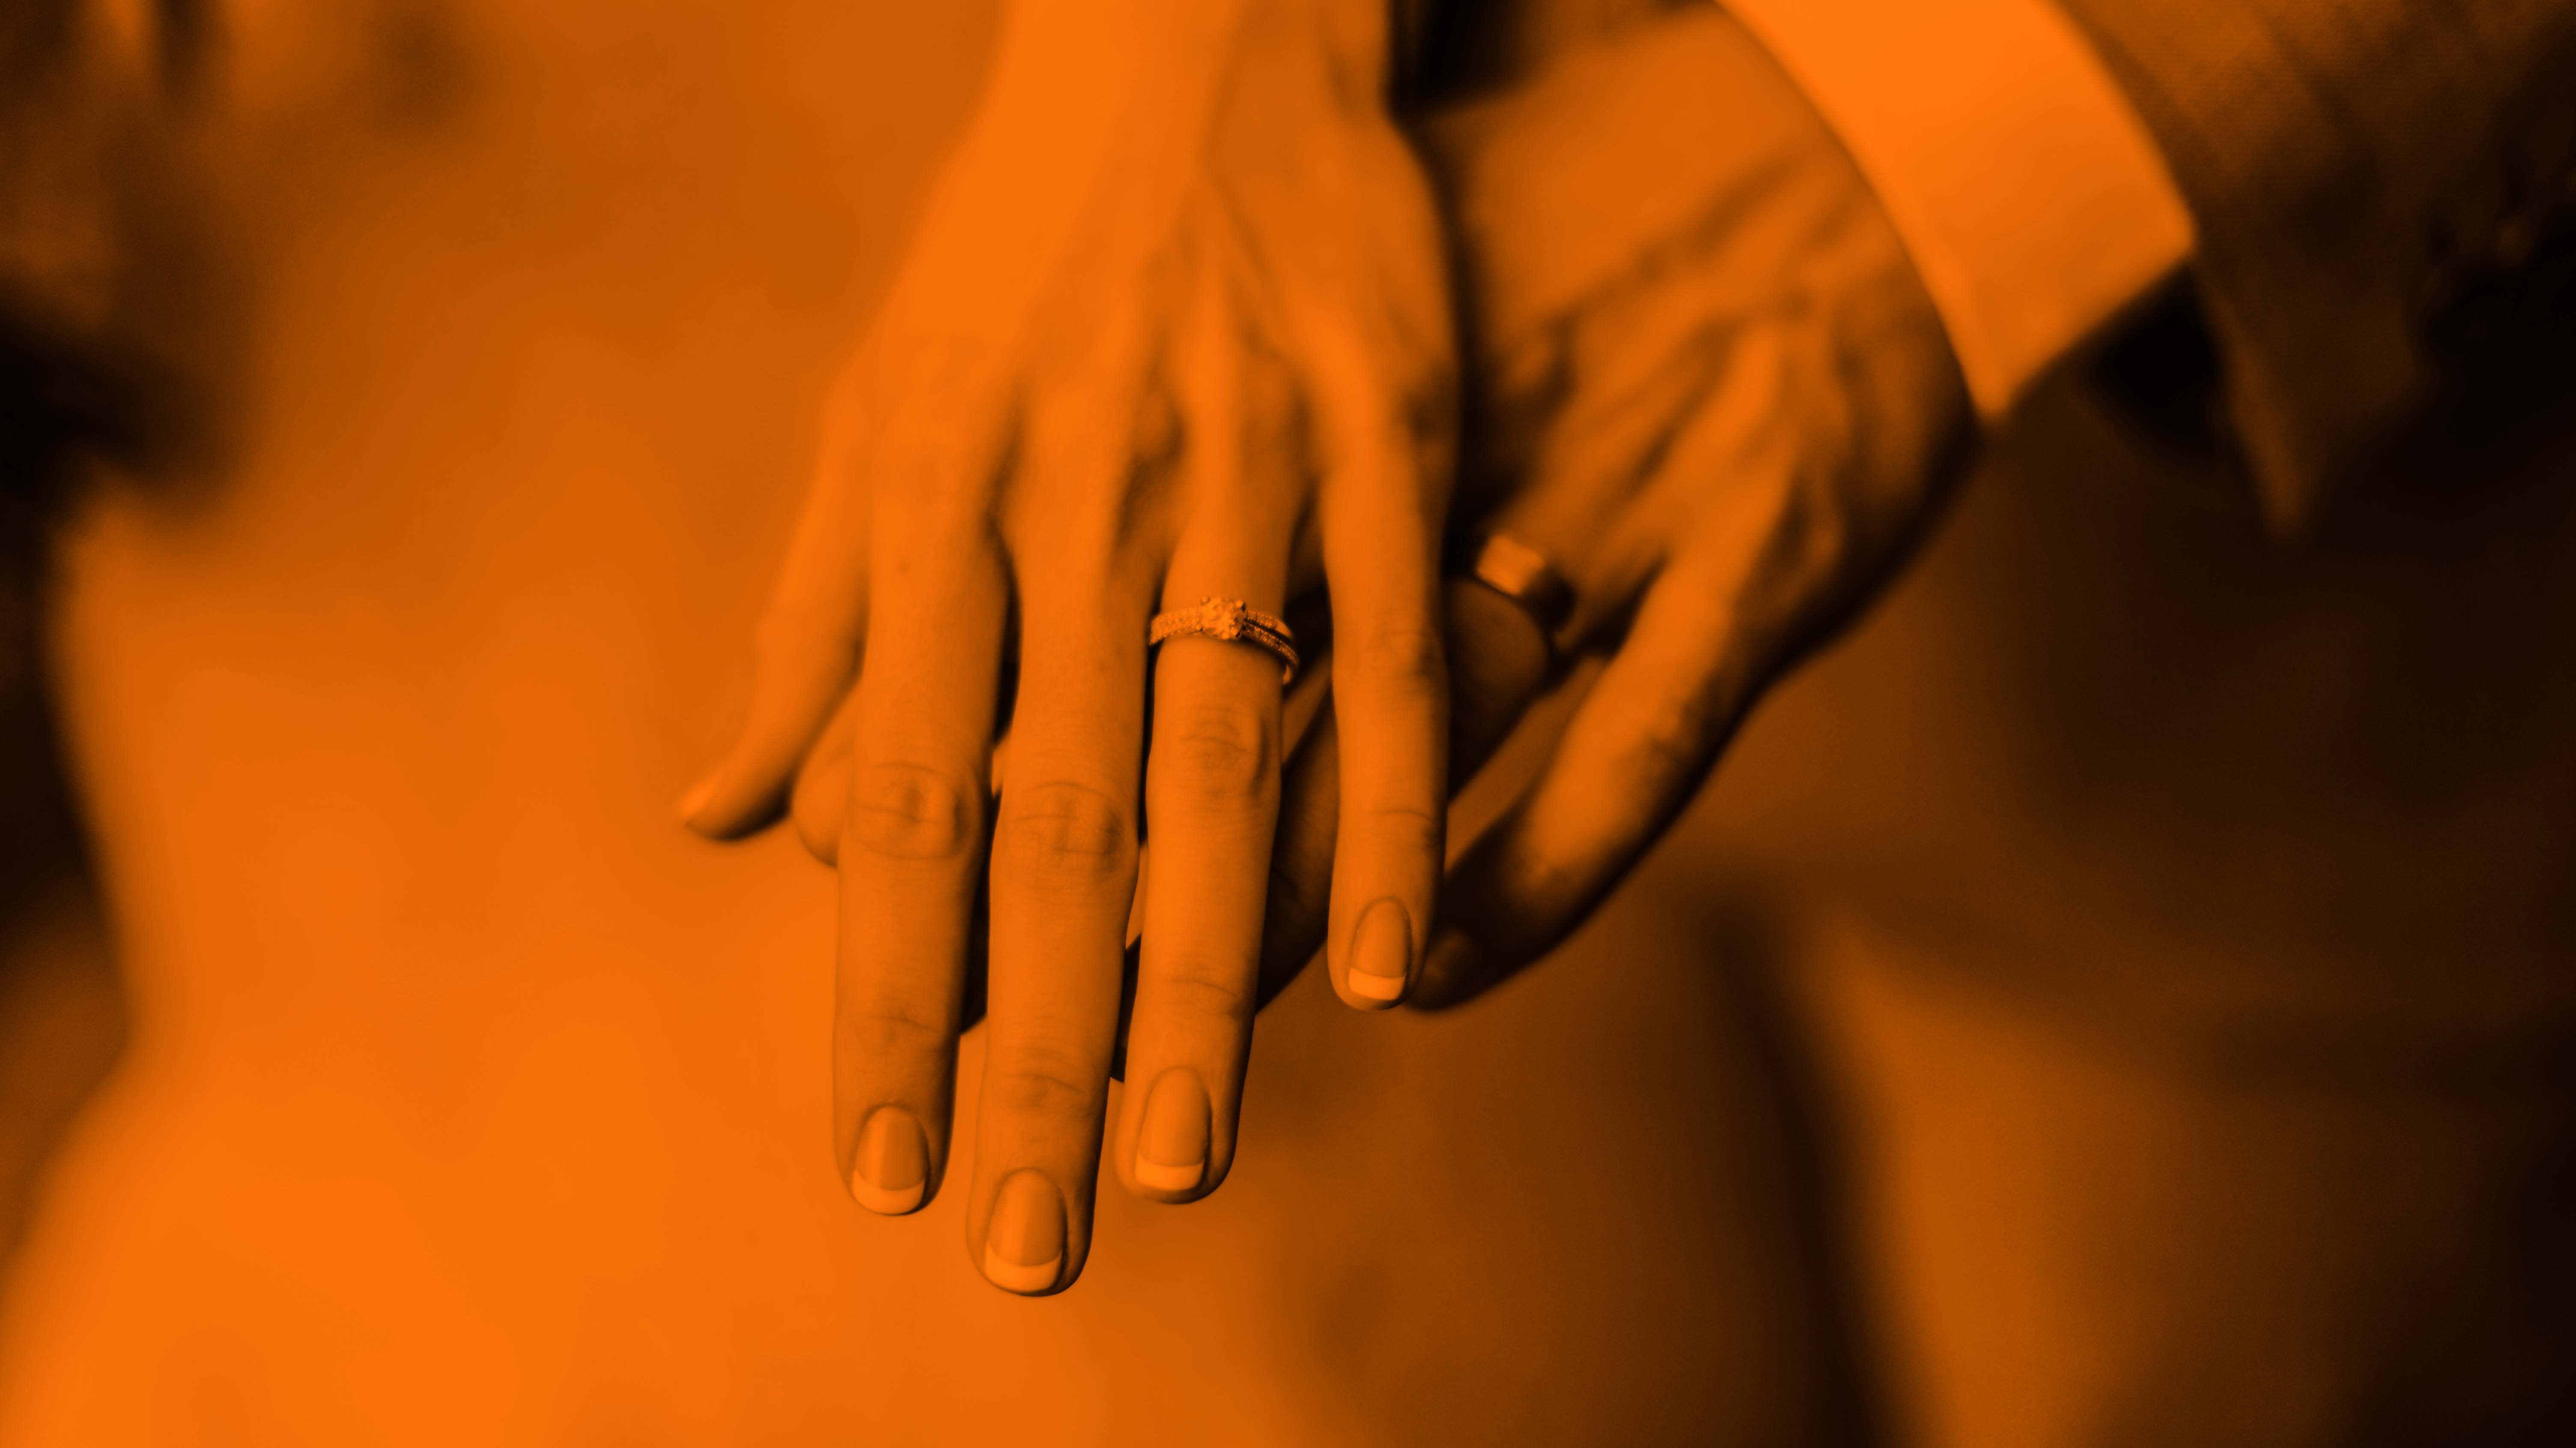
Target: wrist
[[1096, 84], [1104, 45]]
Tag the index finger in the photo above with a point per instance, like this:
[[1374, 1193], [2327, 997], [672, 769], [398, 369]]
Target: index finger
[[814, 628]]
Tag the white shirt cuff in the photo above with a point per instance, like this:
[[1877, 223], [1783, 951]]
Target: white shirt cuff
[[2035, 204]]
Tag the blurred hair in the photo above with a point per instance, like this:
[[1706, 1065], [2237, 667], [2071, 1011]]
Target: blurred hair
[[101, 280]]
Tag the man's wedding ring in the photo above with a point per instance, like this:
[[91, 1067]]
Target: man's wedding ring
[[1522, 574], [1229, 620]]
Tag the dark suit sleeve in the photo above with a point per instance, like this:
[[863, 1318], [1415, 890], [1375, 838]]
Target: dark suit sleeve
[[2385, 194]]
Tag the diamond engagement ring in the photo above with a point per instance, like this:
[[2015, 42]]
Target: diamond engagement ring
[[1229, 620]]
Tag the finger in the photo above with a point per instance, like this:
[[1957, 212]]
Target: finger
[[821, 800], [1063, 879], [1380, 514], [1645, 737], [1647, 419], [1212, 789], [1498, 668], [1645, 382], [1212, 777], [1630, 759], [807, 653], [1063, 885], [911, 854]]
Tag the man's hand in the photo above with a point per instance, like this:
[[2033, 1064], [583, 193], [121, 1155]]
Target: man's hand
[[1706, 382]]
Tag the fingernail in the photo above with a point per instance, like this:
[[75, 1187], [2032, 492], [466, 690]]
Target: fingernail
[[1381, 951], [893, 1170], [1172, 1145], [1024, 1246], [696, 800]]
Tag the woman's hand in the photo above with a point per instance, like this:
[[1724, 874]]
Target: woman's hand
[[1173, 327]]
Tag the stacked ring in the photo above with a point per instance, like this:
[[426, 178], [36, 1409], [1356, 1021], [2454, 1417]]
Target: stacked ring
[[1229, 620]]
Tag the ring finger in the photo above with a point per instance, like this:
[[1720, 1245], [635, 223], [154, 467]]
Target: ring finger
[[1212, 777]]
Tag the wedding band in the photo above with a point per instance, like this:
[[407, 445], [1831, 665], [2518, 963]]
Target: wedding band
[[1229, 620], [1522, 574]]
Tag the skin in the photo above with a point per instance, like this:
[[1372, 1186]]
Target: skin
[[1706, 380], [1173, 326], [1705, 377]]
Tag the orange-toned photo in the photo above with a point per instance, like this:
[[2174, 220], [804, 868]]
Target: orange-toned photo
[[1801, 723]]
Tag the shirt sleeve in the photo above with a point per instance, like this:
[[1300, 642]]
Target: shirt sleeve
[[2035, 204]]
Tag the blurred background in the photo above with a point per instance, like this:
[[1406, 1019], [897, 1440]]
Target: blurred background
[[420, 1080]]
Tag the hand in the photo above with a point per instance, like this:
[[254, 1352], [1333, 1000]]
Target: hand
[[1173, 326], [1707, 383]]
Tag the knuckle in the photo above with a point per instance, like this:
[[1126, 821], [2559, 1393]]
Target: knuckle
[[1662, 754], [1062, 830], [908, 812], [1043, 1083], [1673, 746], [1821, 535], [1404, 654], [1404, 829], [1223, 754], [1204, 990], [888, 1028]]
